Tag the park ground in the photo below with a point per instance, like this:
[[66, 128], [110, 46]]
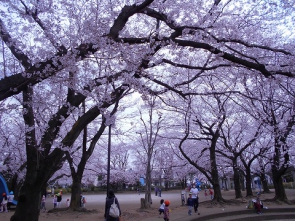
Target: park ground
[[130, 206]]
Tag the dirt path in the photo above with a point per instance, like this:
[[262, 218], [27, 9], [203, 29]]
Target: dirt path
[[130, 203]]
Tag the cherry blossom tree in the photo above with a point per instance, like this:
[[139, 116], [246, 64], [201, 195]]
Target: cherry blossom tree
[[149, 136], [276, 110], [97, 50], [238, 134]]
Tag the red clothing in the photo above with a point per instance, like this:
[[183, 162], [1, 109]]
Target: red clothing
[[166, 213]]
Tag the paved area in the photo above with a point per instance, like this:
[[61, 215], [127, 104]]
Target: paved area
[[179, 212]]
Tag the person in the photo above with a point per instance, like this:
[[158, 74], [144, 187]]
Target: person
[[81, 197], [190, 204], [195, 192], [166, 210], [4, 203], [43, 200], [258, 204], [68, 203], [60, 192], [10, 199], [206, 194], [109, 201], [58, 196], [83, 201], [159, 192], [162, 207], [211, 193], [54, 201]]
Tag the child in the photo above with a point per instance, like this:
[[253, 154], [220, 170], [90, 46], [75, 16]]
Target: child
[[211, 193], [4, 203], [166, 210], [83, 201], [43, 208], [162, 207], [68, 203], [258, 204], [190, 204], [54, 201]]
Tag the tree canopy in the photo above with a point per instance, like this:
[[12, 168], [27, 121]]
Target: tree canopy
[[222, 73]]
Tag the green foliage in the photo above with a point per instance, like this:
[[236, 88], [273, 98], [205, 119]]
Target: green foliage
[[289, 185]]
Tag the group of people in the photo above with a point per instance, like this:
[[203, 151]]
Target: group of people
[[6, 202]]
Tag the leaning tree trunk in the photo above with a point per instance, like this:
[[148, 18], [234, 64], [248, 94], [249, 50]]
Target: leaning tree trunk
[[40, 167]]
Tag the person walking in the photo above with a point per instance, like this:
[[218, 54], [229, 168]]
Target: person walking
[[211, 193], [190, 204], [195, 196], [43, 200], [166, 210], [54, 201], [162, 207], [111, 198]]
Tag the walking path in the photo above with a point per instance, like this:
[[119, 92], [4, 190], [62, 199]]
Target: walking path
[[130, 203]]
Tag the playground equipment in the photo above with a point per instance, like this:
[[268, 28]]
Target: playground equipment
[[4, 189]]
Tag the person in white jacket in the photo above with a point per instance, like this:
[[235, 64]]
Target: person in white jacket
[[4, 203], [195, 196]]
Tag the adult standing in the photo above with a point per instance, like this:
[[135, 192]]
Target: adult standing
[[195, 196], [60, 192], [58, 199], [109, 201]]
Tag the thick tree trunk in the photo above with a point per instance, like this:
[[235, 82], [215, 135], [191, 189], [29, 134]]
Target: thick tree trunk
[[277, 173], [280, 193], [249, 191], [76, 192], [238, 191], [29, 200], [215, 176]]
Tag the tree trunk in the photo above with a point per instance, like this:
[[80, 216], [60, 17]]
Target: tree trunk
[[264, 183], [238, 191], [277, 173], [28, 206], [280, 193], [214, 172], [76, 192], [249, 191], [147, 196]]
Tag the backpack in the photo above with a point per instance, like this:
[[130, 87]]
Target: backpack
[[250, 204], [114, 210]]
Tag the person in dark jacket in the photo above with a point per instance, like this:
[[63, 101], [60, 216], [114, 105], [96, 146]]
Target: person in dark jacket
[[109, 202]]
